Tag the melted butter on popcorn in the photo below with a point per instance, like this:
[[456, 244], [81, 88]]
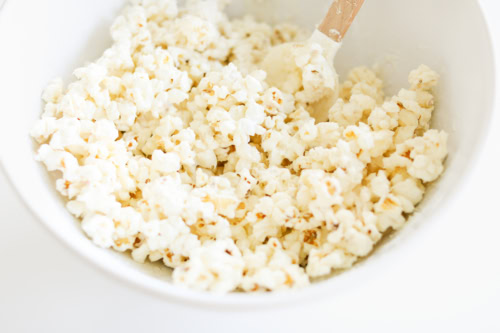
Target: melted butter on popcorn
[[172, 146]]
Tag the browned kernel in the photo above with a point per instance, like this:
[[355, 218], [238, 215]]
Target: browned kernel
[[331, 188], [310, 236], [121, 241], [308, 215], [388, 204], [169, 254], [350, 135], [289, 281]]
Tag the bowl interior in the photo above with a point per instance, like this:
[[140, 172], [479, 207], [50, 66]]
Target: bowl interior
[[396, 35]]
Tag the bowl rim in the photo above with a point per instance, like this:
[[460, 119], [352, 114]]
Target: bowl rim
[[245, 301]]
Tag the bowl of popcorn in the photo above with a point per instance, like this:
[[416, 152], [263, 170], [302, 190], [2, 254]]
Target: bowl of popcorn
[[145, 136]]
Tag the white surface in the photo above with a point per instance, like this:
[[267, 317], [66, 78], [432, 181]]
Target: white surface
[[86, 34], [451, 280]]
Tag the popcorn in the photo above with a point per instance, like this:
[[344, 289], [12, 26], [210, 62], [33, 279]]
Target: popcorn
[[270, 268], [55, 159], [53, 92], [100, 229], [422, 156], [389, 212], [216, 266], [423, 78], [173, 146], [321, 262], [165, 162]]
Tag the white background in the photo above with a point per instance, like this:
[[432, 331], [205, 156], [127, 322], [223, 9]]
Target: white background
[[451, 282]]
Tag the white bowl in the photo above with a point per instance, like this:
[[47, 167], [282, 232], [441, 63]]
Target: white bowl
[[44, 39]]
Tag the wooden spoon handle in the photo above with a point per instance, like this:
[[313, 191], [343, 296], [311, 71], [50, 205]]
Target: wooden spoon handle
[[339, 18]]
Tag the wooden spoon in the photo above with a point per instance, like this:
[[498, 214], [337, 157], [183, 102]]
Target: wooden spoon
[[284, 74], [339, 18]]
